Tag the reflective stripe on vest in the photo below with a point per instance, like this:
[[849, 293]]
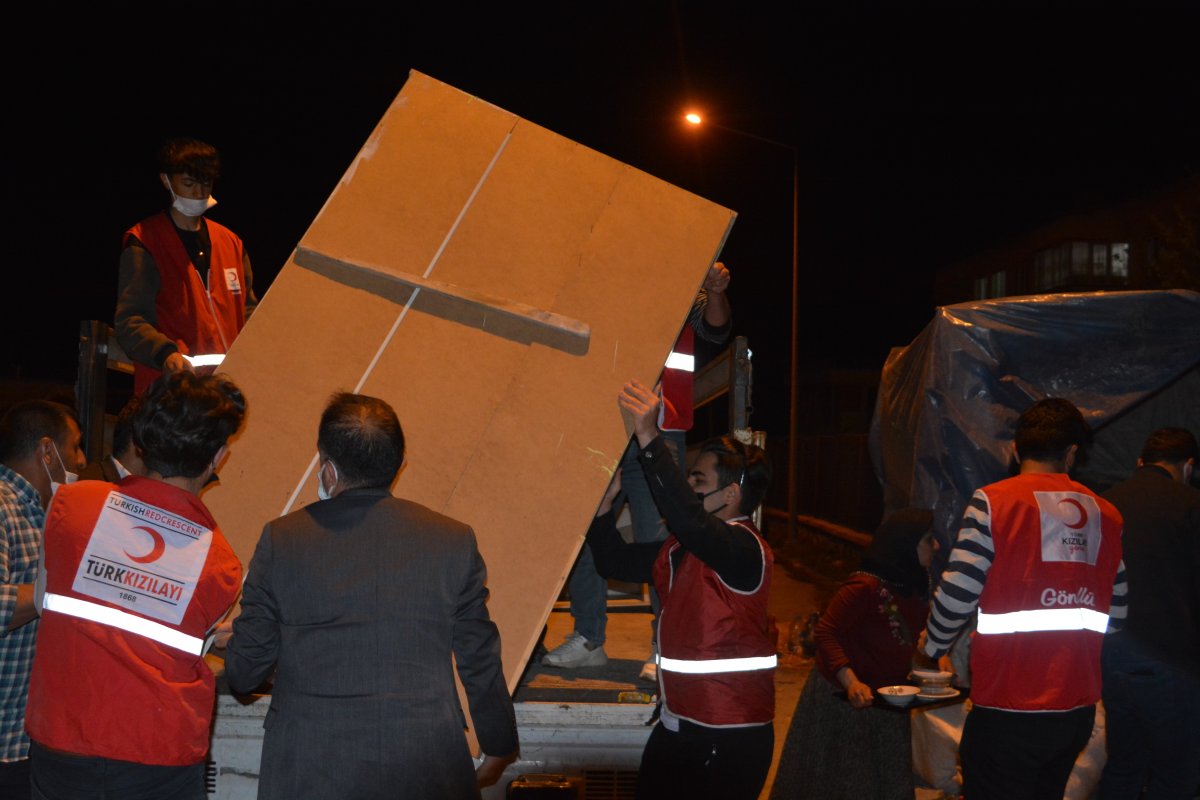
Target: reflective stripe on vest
[[1044, 619], [106, 615], [717, 664], [208, 360], [683, 362]]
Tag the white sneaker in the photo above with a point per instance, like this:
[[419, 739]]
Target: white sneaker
[[576, 652]]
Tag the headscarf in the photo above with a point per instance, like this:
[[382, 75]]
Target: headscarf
[[892, 554]]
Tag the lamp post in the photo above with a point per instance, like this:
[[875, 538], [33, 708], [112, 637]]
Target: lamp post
[[695, 120]]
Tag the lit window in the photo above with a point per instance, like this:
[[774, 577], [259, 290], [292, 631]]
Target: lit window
[[1120, 260]]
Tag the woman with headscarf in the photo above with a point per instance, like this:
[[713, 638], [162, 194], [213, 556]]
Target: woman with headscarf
[[839, 744]]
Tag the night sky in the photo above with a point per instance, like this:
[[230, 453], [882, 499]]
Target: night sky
[[921, 136]]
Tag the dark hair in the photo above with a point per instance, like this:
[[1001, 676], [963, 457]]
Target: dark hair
[[1170, 446], [1048, 428], [892, 553], [24, 425], [363, 437], [182, 421], [122, 435], [744, 464], [190, 157]]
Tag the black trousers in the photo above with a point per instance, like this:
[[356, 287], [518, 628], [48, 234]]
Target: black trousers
[[61, 776], [14, 779], [700, 762], [1019, 755]]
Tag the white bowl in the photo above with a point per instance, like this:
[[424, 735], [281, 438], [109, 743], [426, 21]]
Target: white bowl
[[898, 695], [932, 678]]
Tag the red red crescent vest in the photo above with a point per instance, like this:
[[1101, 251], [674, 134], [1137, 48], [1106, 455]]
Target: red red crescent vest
[[677, 381], [113, 551], [1045, 603], [202, 320], [717, 636]]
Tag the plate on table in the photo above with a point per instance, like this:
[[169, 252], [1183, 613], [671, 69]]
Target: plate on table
[[939, 694]]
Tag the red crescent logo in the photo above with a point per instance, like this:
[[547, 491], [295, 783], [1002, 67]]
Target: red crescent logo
[[1083, 517], [155, 552]]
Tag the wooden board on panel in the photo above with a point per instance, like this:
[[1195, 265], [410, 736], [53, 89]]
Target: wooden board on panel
[[511, 421]]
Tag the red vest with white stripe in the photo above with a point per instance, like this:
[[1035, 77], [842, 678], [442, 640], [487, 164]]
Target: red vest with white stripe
[[201, 320], [716, 657], [675, 414], [136, 575], [1044, 606]]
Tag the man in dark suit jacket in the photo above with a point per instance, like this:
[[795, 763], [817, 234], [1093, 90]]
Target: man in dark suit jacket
[[1151, 668], [360, 600]]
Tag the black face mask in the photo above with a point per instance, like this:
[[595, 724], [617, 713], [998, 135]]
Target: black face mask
[[702, 496]]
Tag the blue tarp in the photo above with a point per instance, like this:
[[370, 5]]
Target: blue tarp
[[949, 401]]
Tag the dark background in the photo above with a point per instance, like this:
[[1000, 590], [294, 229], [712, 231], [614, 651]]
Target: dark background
[[921, 135]]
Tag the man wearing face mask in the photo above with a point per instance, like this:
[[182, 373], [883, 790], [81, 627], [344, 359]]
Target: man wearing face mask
[[135, 575], [716, 664], [709, 321], [39, 446], [367, 604], [185, 288]]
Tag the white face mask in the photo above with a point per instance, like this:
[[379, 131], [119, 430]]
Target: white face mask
[[68, 476], [188, 206], [322, 492], [192, 208]]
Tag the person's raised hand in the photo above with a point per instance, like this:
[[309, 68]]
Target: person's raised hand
[[717, 279], [640, 405]]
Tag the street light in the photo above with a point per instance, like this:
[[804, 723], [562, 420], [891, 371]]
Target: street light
[[696, 120]]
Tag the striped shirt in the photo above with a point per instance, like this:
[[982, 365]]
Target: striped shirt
[[21, 521], [957, 596]]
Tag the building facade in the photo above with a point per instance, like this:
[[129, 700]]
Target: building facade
[[1150, 242]]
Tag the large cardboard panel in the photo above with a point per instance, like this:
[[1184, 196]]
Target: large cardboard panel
[[511, 427]]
